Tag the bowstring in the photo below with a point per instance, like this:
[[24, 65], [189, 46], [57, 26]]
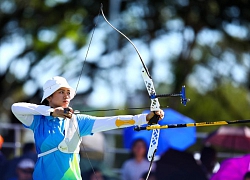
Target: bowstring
[[78, 82]]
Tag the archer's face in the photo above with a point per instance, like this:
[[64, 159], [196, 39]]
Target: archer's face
[[60, 98]]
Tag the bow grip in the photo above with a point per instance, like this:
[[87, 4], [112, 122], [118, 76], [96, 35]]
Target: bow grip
[[154, 119], [66, 110]]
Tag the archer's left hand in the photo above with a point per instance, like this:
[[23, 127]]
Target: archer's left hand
[[152, 113]]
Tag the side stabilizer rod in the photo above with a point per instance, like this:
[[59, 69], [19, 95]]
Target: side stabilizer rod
[[182, 95]]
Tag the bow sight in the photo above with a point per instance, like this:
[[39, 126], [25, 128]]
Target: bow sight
[[184, 101], [182, 95]]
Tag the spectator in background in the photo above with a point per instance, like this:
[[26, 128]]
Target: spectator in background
[[134, 168], [28, 152], [247, 176], [24, 170], [208, 160], [2, 157], [178, 165]]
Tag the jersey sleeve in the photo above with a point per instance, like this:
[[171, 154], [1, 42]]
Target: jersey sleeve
[[115, 122], [25, 112], [85, 124]]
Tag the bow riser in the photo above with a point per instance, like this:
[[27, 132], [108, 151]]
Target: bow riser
[[155, 106]]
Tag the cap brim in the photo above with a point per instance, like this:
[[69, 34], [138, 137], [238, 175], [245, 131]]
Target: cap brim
[[49, 92]]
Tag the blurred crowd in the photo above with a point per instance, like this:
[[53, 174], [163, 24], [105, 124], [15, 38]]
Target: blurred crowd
[[181, 165], [18, 168], [173, 165]]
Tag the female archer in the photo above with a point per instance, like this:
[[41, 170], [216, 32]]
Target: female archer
[[57, 130]]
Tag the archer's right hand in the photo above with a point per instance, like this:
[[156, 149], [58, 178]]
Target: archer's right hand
[[62, 112]]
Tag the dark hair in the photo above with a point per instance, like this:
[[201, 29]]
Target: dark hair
[[133, 145], [208, 153], [247, 175], [45, 102]]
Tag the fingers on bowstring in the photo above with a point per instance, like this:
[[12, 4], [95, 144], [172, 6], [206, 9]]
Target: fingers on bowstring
[[68, 109]]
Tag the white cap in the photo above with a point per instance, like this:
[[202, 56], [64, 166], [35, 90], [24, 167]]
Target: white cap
[[55, 83], [26, 164]]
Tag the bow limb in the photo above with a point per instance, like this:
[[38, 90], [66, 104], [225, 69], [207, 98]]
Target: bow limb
[[155, 105], [143, 64]]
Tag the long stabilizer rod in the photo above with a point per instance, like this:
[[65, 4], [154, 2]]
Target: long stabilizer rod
[[200, 124]]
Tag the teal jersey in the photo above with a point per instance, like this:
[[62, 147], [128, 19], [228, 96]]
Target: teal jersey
[[48, 133]]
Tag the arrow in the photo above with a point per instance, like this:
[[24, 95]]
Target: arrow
[[200, 124]]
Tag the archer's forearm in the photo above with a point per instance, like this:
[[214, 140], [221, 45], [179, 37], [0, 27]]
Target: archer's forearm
[[115, 122]]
